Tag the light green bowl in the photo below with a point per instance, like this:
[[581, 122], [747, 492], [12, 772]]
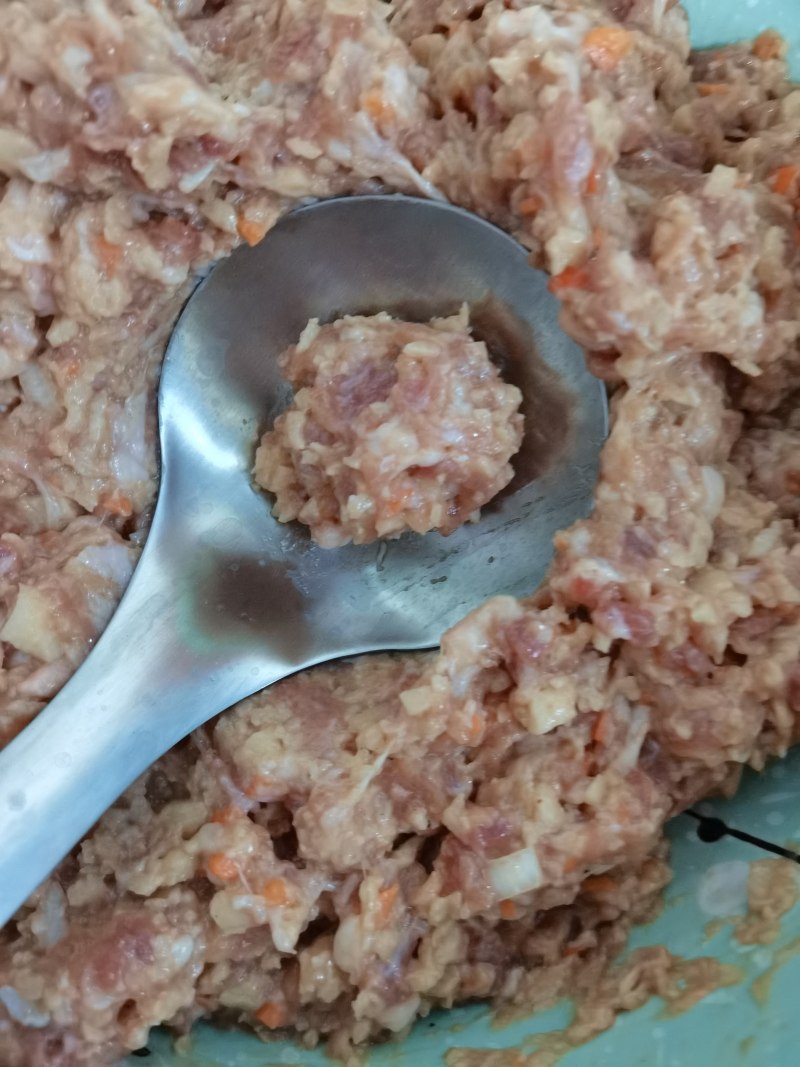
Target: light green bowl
[[731, 1026]]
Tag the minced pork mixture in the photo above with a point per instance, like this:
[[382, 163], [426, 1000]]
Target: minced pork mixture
[[363, 842], [394, 426]]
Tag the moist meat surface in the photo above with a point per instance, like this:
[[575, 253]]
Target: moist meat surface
[[369, 840], [394, 426]]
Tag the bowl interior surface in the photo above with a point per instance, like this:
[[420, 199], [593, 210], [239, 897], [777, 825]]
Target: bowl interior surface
[[755, 1021]]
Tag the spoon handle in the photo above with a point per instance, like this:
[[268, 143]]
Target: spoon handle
[[150, 680]]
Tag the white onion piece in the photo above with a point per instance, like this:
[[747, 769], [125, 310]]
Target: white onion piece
[[628, 756], [38, 387], [20, 1010], [49, 923], [515, 874]]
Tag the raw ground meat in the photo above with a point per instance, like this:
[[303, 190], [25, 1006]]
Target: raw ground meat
[[370, 840], [394, 426]]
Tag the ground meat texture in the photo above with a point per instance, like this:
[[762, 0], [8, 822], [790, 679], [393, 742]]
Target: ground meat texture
[[394, 426], [367, 841], [772, 890]]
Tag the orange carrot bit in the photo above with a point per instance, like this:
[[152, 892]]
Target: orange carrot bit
[[570, 950], [570, 864], [570, 278], [387, 898], [398, 501], [475, 729], [110, 255], [250, 230], [508, 909], [273, 1014], [221, 866], [261, 783], [605, 46], [712, 88], [768, 45], [225, 815], [599, 883], [531, 205], [784, 180], [116, 503], [601, 731], [71, 368], [276, 892], [593, 181], [377, 108]]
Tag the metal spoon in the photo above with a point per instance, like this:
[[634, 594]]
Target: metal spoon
[[225, 600]]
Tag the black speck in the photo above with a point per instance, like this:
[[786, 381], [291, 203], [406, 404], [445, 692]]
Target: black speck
[[438, 581], [490, 559], [711, 830], [160, 790], [141, 1052]]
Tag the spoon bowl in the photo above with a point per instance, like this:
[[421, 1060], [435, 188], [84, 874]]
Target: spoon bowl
[[225, 600]]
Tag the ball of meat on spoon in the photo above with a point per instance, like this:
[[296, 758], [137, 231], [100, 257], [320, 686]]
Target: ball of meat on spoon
[[394, 426]]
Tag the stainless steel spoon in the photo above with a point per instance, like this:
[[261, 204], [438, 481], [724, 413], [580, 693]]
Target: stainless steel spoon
[[225, 600]]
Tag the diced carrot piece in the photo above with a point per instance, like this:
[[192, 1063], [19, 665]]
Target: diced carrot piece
[[71, 368], [475, 728], [221, 866], [386, 901], [225, 815], [570, 950], [784, 180], [601, 731], [377, 108], [593, 181], [251, 231], [273, 1014], [712, 88], [599, 883], [530, 205], [570, 278], [605, 46], [570, 864], [116, 503], [276, 892], [396, 503], [768, 45], [258, 785], [508, 909], [110, 255]]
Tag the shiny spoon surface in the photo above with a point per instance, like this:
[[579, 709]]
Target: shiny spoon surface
[[225, 600]]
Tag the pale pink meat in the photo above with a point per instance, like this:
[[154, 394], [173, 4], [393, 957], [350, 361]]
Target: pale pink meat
[[394, 426], [381, 837]]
